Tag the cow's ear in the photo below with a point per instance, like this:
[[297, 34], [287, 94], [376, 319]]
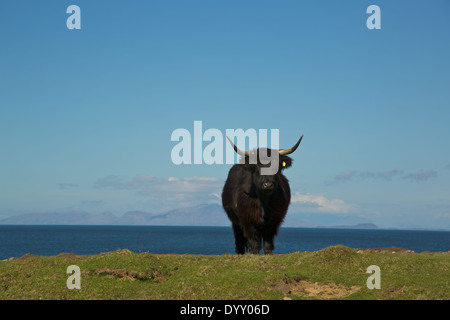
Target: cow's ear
[[285, 162]]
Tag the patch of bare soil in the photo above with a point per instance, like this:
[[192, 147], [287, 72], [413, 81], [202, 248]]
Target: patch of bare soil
[[132, 275], [378, 250], [74, 256], [316, 290]]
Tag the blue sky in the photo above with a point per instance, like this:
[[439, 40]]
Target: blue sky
[[87, 115]]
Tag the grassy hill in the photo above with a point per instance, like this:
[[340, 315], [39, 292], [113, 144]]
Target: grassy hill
[[332, 273]]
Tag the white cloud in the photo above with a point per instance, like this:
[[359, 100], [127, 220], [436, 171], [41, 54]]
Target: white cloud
[[421, 175], [321, 203], [195, 190], [217, 195], [342, 177], [353, 175], [173, 189], [442, 215], [67, 186]]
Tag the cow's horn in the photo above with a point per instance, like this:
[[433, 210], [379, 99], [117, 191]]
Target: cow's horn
[[283, 152], [239, 151]]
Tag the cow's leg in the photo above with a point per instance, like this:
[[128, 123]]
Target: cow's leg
[[268, 236], [254, 243], [268, 244], [239, 239]]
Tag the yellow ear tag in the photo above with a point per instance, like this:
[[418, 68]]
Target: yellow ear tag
[[284, 164]]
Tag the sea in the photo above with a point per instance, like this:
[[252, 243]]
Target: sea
[[51, 240]]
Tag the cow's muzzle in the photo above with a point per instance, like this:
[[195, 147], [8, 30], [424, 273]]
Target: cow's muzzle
[[267, 186]]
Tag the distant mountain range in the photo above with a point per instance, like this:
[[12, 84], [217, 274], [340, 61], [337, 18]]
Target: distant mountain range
[[200, 215]]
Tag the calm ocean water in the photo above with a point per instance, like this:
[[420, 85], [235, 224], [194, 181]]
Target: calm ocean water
[[16, 241]]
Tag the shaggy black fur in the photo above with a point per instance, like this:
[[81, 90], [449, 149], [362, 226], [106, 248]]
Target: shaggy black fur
[[256, 204]]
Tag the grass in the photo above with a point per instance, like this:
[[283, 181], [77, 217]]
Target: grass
[[336, 272]]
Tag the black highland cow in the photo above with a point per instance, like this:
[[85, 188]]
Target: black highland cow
[[256, 204]]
